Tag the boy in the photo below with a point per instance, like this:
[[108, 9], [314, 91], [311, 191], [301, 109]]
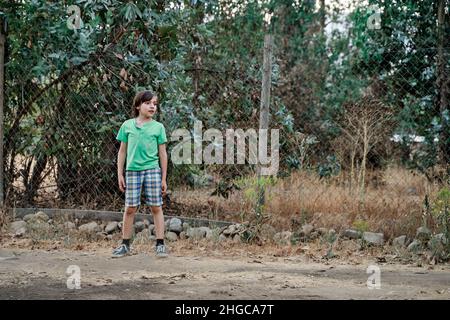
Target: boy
[[143, 146]]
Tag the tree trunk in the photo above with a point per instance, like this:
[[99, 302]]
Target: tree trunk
[[352, 169], [322, 16], [36, 179], [199, 16]]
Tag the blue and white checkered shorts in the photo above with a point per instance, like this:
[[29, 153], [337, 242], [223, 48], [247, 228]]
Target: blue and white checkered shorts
[[151, 179]]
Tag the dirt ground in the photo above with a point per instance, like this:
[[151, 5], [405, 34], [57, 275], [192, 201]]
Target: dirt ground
[[200, 273]]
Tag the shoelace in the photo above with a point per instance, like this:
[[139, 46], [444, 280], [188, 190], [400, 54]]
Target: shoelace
[[160, 249], [120, 248]]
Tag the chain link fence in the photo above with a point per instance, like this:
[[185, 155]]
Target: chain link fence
[[350, 99]]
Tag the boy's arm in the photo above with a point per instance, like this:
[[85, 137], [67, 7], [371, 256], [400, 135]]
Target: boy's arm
[[163, 159], [120, 164]]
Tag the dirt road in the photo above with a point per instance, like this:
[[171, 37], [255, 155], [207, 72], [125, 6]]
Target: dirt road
[[40, 274]]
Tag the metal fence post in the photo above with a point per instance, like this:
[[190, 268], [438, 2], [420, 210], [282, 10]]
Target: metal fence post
[[264, 110], [2, 90]]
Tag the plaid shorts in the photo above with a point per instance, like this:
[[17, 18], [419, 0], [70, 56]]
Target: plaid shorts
[[151, 179]]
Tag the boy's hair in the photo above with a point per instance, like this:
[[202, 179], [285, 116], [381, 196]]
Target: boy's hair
[[140, 98]]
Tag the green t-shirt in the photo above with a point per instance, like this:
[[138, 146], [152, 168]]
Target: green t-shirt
[[142, 144]]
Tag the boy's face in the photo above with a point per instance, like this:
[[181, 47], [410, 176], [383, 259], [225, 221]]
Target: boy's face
[[148, 108]]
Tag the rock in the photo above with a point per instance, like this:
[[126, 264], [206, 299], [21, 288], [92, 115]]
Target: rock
[[17, 226], [28, 217], [423, 234], [175, 225], [120, 225], [50, 221], [399, 241], [209, 235], [438, 241], [222, 238], [196, 233], [306, 230], [69, 225], [207, 231], [139, 226], [239, 227], [185, 226], [314, 235], [195, 180], [142, 237], [41, 216], [230, 231], [90, 227], [322, 231], [351, 234], [109, 237], [20, 232], [166, 224], [441, 238], [146, 223], [101, 235], [111, 227], [267, 232], [171, 236], [414, 246], [283, 237], [151, 229], [183, 235], [213, 234], [37, 218], [209, 179], [237, 238], [39, 226], [374, 238]]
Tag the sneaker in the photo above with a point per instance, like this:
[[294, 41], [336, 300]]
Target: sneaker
[[121, 251], [161, 251]]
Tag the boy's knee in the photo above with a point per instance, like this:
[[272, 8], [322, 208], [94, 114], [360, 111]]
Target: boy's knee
[[130, 210], [156, 210]]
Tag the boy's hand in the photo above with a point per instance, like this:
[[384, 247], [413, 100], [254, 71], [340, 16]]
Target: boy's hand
[[122, 185], [163, 187]]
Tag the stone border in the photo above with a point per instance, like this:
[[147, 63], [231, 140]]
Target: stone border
[[89, 215]]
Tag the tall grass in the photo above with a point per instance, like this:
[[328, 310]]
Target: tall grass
[[393, 205]]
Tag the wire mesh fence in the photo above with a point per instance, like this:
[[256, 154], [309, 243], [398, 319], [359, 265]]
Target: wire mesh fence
[[349, 98]]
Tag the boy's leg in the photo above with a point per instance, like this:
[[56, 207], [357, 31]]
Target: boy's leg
[[132, 202], [134, 181], [128, 221], [153, 195], [158, 219]]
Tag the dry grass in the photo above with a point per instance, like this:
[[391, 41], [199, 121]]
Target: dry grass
[[394, 206]]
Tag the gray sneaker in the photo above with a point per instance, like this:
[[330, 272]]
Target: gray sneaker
[[161, 251], [121, 251]]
